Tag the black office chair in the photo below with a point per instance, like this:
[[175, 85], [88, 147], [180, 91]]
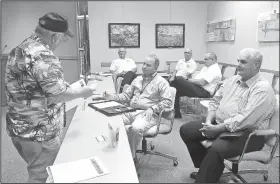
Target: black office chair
[[160, 128], [264, 156], [196, 107]]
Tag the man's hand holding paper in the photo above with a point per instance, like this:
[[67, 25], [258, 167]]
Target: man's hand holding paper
[[93, 86], [82, 89]]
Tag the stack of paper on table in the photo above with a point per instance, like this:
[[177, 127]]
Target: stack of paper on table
[[105, 74], [76, 171]]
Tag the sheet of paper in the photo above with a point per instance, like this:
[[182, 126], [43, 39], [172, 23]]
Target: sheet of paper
[[205, 103], [105, 74], [78, 101], [78, 84], [76, 171], [107, 104]]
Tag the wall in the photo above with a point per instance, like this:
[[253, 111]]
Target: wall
[[19, 19], [147, 13], [246, 13], [1, 54]]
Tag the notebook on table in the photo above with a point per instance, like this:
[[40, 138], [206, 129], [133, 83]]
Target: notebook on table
[[110, 108], [76, 171]]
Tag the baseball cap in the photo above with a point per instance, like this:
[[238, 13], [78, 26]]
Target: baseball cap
[[54, 22]]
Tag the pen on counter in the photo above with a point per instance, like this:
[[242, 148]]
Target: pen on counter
[[104, 137], [84, 105]]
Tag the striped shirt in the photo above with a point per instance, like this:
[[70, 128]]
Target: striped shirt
[[244, 105], [144, 93]]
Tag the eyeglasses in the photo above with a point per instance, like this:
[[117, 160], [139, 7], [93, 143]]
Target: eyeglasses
[[207, 59], [188, 53], [242, 61]]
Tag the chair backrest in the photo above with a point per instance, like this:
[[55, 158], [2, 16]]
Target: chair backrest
[[171, 65], [276, 85], [105, 64], [274, 125], [217, 88], [229, 71], [267, 76], [173, 95]]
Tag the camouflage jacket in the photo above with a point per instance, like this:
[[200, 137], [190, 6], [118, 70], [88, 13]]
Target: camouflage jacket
[[33, 75]]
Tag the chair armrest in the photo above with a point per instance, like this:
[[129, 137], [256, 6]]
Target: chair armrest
[[264, 132], [166, 114], [268, 132]]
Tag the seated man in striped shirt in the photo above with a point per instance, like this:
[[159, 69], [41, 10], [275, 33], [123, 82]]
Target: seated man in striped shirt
[[149, 92], [244, 103]]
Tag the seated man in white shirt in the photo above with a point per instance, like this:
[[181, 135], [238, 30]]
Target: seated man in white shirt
[[123, 67], [149, 92], [185, 67], [202, 85]]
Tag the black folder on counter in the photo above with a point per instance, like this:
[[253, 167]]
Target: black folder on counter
[[110, 108]]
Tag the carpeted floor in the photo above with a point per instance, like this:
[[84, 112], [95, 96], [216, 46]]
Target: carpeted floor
[[152, 169], [13, 167], [155, 169]]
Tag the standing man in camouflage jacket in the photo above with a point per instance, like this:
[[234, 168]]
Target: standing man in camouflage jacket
[[36, 90]]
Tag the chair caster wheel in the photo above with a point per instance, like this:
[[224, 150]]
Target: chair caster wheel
[[175, 162], [265, 177], [152, 147]]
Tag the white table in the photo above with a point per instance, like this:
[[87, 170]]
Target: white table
[[80, 142]]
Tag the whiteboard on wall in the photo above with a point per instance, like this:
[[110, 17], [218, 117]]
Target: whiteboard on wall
[[268, 26]]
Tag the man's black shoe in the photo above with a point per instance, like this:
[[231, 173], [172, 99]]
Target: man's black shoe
[[193, 175]]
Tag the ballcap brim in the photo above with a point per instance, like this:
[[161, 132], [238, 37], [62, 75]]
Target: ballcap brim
[[70, 33]]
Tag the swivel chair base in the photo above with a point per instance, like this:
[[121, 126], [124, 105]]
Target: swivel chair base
[[145, 151], [235, 172]]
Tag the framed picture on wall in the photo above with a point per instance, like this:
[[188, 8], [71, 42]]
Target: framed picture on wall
[[124, 35], [221, 31], [268, 26], [170, 35]]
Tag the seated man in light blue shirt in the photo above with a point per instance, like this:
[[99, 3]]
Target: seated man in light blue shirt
[[244, 103], [149, 92]]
